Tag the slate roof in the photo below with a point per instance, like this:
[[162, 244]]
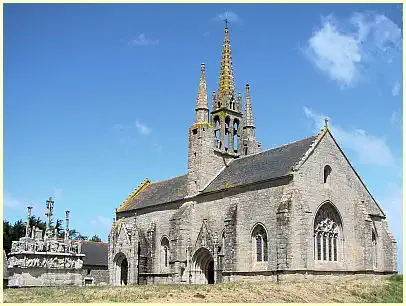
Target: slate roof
[[158, 193], [96, 253], [263, 166]]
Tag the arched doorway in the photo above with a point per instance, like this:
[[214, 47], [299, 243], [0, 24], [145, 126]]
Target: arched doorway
[[121, 270], [203, 267], [124, 272]]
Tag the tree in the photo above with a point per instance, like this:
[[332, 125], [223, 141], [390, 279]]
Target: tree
[[12, 233], [59, 229], [95, 238], [75, 235], [7, 236]]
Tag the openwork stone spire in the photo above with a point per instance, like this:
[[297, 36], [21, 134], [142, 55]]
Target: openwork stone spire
[[248, 117], [226, 84], [202, 107]]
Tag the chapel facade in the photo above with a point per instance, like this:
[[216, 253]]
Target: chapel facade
[[296, 211]]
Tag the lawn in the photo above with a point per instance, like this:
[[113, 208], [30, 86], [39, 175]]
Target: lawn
[[388, 289]]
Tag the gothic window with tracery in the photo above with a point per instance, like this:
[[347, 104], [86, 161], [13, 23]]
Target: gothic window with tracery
[[260, 241], [165, 251], [327, 230]]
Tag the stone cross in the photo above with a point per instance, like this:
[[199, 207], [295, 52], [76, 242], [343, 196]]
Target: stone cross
[[27, 227], [49, 211], [67, 224]]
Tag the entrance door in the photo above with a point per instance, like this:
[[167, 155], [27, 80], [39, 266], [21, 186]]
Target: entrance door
[[203, 267], [210, 272], [124, 272]]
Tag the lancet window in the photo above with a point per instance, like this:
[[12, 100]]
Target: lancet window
[[260, 243], [165, 251]]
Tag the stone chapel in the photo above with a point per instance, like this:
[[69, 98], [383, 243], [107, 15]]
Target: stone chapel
[[296, 211]]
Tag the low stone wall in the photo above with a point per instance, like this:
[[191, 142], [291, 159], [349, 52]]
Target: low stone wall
[[94, 275]]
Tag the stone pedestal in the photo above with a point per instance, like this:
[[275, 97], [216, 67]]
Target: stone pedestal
[[35, 262]]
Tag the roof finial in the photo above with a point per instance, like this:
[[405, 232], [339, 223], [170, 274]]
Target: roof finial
[[326, 122], [226, 21]]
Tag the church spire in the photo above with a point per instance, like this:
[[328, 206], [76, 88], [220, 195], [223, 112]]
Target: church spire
[[202, 107], [249, 144], [248, 118], [226, 84]]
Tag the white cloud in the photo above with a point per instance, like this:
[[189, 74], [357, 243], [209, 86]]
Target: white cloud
[[396, 89], [142, 128], [230, 16], [370, 149], [335, 53], [143, 40], [343, 50]]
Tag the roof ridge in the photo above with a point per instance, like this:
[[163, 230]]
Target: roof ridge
[[168, 179], [99, 242], [314, 143], [280, 146]]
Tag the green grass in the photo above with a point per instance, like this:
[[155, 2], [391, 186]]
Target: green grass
[[387, 289], [392, 292]]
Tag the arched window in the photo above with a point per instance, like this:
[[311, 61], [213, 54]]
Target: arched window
[[165, 251], [223, 241], [260, 243], [235, 135], [327, 172], [374, 250], [217, 132], [327, 231], [226, 133]]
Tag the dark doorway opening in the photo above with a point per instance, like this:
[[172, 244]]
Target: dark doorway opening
[[124, 272], [210, 272]]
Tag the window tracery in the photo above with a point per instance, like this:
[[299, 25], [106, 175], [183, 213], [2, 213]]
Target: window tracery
[[165, 251], [327, 229], [260, 240]]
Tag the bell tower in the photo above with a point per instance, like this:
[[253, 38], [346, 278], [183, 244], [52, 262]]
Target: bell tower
[[214, 140], [203, 163], [226, 115]]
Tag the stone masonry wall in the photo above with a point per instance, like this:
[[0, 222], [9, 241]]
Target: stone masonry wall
[[346, 192], [98, 275]]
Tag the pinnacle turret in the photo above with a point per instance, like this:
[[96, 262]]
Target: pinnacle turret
[[248, 117], [202, 107]]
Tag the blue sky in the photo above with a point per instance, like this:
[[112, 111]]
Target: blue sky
[[97, 97]]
